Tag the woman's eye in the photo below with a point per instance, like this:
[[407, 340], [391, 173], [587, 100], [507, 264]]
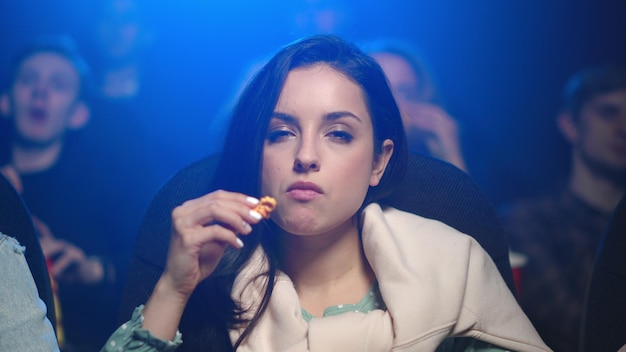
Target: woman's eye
[[340, 136], [279, 135]]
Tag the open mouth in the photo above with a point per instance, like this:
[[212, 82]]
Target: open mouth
[[38, 114]]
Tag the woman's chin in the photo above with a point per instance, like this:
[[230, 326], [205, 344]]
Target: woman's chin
[[301, 225]]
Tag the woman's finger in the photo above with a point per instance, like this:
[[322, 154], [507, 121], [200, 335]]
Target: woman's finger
[[231, 210]]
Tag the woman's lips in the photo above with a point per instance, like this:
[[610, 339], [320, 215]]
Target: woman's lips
[[304, 191]]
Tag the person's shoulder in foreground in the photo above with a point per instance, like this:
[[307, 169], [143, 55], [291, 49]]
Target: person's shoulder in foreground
[[23, 322]]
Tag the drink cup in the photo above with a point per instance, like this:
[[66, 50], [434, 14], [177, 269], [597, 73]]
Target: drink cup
[[518, 262]]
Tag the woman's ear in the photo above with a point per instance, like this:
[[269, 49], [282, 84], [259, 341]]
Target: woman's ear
[[80, 116], [566, 124], [380, 162]]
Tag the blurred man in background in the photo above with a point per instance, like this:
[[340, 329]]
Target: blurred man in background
[[560, 231]]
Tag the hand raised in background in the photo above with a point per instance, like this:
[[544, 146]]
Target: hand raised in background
[[436, 129], [67, 262]]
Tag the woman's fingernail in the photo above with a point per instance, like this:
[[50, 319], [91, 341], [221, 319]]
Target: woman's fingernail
[[247, 226], [239, 242], [252, 200], [256, 215]]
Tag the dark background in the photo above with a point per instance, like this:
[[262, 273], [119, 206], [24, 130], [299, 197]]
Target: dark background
[[500, 65]]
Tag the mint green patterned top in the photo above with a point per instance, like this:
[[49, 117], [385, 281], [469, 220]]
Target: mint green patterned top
[[131, 337], [372, 300]]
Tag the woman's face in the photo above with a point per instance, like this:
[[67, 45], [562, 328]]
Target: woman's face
[[318, 158]]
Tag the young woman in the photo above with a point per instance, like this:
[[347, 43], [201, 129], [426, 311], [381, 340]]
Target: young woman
[[318, 130]]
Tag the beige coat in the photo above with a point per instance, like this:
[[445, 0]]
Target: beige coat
[[435, 281]]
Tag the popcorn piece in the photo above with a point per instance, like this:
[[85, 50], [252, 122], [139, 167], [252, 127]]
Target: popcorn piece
[[265, 207]]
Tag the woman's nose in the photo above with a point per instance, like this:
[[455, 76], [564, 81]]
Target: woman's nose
[[307, 158], [305, 166]]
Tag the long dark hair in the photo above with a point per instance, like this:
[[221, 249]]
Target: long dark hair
[[211, 311]]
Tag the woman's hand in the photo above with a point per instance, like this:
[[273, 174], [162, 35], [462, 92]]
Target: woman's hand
[[202, 228]]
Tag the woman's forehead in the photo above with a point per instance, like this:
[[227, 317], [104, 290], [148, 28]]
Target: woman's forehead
[[321, 87]]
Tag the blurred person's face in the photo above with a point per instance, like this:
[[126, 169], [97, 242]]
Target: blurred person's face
[[43, 100], [600, 133], [403, 82], [318, 157], [315, 16], [402, 79], [120, 32], [405, 86]]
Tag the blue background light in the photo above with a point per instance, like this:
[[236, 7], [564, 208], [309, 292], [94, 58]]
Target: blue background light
[[499, 64]]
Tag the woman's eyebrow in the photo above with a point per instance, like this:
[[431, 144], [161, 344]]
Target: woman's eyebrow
[[335, 115], [339, 114], [283, 116]]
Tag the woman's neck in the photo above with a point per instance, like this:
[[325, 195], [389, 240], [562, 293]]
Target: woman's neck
[[328, 269]]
